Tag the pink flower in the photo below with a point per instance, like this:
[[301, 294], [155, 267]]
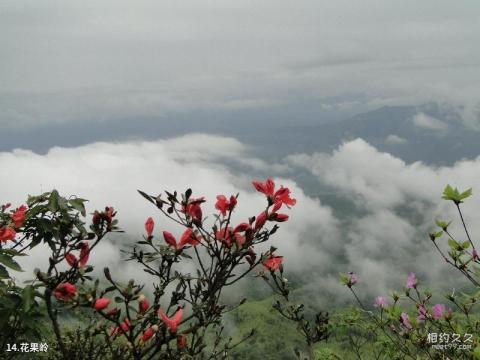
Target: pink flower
[[438, 311], [381, 302], [353, 279], [474, 254], [411, 281], [7, 233], [18, 217], [149, 224], [422, 314], [224, 205], [273, 263], [405, 320], [101, 304], [173, 322]]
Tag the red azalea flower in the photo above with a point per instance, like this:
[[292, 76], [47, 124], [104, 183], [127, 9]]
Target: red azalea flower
[[106, 215], [109, 214], [260, 220], [224, 205], [84, 253], [188, 237], [6, 206], [282, 196], [149, 224], [267, 188], [114, 332], [101, 303], [96, 217], [65, 291], [143, 304], [113, 312], [71, 259], [148, 334], [181, 341], [279, 197], [225, 235], [251, 257], [194, 210], [278, 217], [18, 217], [240, 239], [241, 227], [273, 263], [7, 233], [125, 325], [173, 322], [170, 239]]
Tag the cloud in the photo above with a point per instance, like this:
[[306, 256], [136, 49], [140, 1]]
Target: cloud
[[395, 140], [396, 206], [381, 233], [429, 122]]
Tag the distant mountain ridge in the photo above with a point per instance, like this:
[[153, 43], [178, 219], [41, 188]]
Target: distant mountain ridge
[[430, 133]]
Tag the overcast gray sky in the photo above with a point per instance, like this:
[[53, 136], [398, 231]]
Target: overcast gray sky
[[64, 61]]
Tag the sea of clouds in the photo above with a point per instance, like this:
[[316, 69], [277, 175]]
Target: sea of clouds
[[396, 202]]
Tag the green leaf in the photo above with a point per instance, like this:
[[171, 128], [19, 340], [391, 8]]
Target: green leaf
[[28, 297], [443, 224], [13, 252], [466, 194], [53, 201], [449, 193], [3, 273], [454, 195], [9, 262], [476, 269], [453, 244], [146, 196], [344, 279], [78, 204], [466, 244]]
